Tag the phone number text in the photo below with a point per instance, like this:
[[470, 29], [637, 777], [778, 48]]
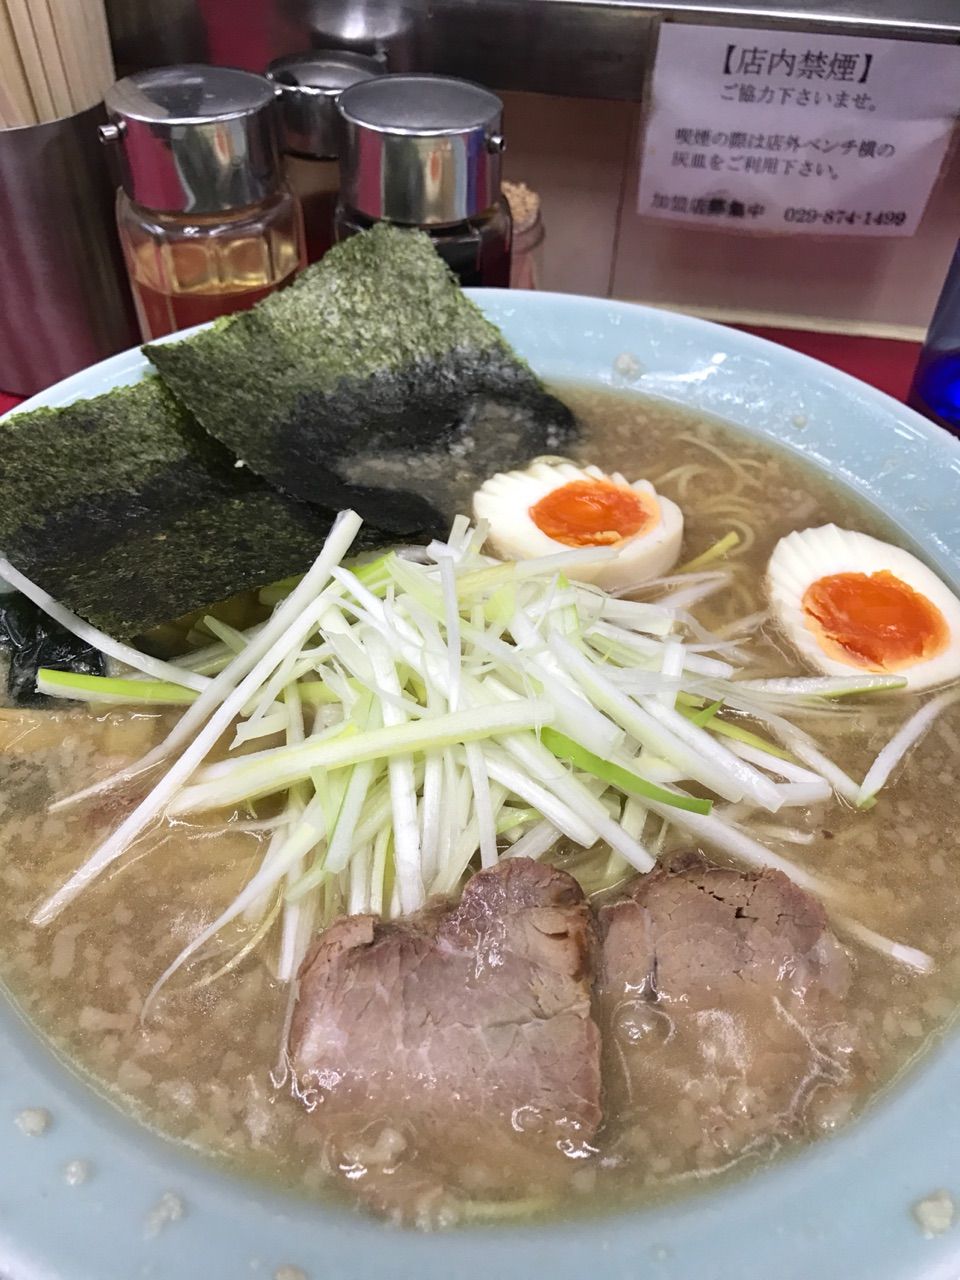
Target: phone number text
[[836, 217]]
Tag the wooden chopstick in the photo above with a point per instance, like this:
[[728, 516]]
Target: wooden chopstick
[[19, 108], [53, 68], [74, 52], [31, 58], [55, 59], [98, 42], [9, 115]]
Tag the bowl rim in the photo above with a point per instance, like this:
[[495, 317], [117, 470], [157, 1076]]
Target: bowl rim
[[788, 1212]]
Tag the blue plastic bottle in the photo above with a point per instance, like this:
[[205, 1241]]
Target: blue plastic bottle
[[935, 390]]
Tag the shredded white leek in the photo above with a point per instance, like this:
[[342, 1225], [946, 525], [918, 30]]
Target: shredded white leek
[[461, 710], [824, 686], [898, 746]]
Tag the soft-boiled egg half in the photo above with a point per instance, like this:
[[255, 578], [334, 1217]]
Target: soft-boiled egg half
[[554, 505], [852, 603]]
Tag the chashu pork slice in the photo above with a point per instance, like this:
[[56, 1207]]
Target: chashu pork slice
[[451, 1056], [721, 999]]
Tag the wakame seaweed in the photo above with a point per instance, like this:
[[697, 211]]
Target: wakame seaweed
[[371, 382], [126, 512]]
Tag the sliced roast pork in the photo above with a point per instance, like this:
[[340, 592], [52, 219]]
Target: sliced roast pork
[[452, 1055], [721, 1003]]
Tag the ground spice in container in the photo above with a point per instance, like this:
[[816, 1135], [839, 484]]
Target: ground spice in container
[[528, 235]]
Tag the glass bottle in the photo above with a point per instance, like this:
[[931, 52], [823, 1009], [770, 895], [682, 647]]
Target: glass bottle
[[528, 236], [424, 151], [206, 224], [935, 390], [309, 85]]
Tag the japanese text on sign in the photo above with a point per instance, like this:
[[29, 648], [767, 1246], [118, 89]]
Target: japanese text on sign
[[812, 64], [792, 132]]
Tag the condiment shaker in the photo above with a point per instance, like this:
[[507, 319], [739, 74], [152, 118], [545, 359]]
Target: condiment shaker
[[206, 223], [309, 85], [425, 151], [528, 235]]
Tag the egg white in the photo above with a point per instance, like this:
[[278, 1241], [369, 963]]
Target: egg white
[[504, 501], [801, 558]]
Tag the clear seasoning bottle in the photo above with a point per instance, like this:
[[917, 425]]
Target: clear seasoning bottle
[[424, 151], [206, 222], [310, 84]]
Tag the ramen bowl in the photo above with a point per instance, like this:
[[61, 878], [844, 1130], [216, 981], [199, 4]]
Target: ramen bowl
[[86, 1193]]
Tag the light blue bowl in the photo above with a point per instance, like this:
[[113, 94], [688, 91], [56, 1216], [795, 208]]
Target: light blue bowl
[[839, 1210]]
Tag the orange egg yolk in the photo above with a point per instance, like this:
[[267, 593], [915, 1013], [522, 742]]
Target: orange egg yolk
[[594, 513], [874, 620]]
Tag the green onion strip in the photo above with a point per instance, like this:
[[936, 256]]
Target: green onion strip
[[411, 718]]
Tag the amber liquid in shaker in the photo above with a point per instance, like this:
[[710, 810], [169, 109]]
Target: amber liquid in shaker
[[316, 183], [187, 272]]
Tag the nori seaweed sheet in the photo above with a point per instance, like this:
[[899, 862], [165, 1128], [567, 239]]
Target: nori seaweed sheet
[[130, 515], [373, 353]]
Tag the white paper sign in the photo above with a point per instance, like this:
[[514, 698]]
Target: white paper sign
[[786, 131]]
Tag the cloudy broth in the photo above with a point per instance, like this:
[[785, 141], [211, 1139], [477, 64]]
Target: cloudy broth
[[199, 1069]]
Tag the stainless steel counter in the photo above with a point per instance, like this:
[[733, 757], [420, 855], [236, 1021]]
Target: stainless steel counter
[[573, 48]]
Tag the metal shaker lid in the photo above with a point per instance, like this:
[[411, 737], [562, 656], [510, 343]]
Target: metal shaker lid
[[420, 150], [195, 139], [310, 84]]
